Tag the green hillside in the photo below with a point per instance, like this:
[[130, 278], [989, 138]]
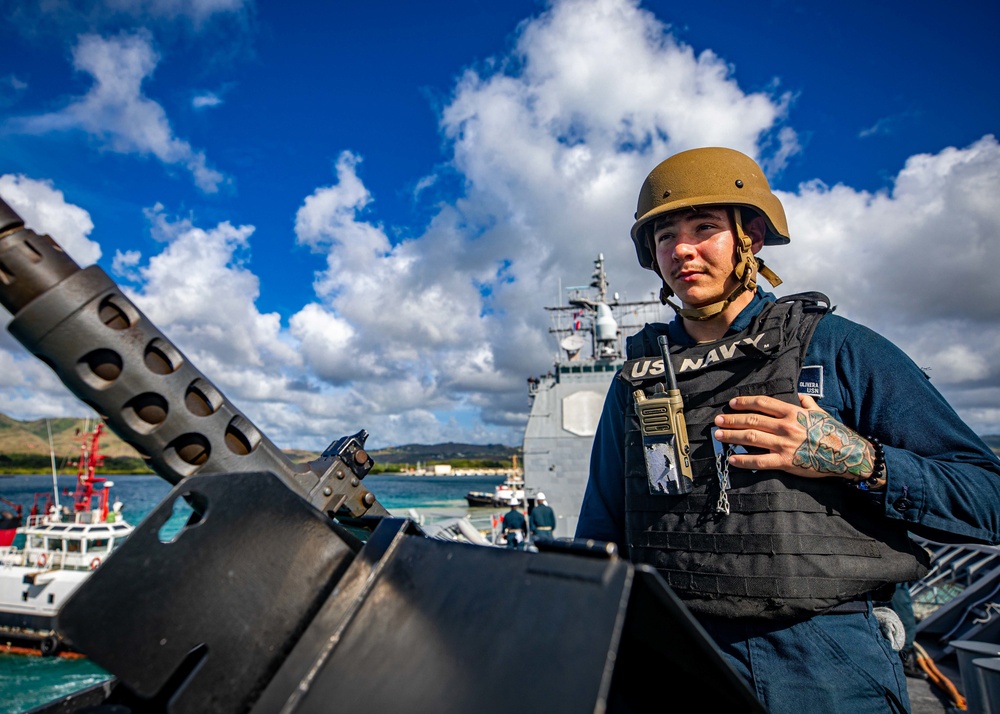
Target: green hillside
[[24, 448]]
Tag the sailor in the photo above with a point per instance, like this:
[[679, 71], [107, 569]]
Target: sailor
[[543, 519], [515, 528], [816, 445]]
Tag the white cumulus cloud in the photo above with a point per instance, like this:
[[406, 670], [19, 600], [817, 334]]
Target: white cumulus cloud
[[116, 112], [44, 209]]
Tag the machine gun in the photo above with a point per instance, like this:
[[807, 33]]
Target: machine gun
[[290, 588]]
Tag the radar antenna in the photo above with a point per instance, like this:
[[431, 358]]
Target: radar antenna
[[572, 344]]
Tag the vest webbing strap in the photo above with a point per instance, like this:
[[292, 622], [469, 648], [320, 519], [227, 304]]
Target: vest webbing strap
[[760, 502], [772, 543], [805, 588]]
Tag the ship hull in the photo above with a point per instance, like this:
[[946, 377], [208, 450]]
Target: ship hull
[[30, 598], [559, 437]]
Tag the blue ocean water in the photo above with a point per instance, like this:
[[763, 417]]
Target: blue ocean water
[[28, 682]]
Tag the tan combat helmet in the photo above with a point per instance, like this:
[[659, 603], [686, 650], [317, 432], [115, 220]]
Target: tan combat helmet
[[711, 176]]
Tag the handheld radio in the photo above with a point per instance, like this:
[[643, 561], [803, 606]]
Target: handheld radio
[[664, 433]]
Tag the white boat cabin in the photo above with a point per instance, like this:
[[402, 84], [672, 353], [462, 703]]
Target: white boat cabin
[[79, 541]]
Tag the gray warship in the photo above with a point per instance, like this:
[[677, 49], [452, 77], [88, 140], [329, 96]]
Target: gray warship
[[566, 403]]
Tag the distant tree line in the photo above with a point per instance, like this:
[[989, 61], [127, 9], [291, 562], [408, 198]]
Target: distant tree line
[[463, 464], [477, 464], [39, 464]]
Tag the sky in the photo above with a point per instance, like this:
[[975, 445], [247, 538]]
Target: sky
[[351, 215]]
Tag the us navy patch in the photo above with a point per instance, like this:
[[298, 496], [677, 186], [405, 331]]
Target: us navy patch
[[811, 381], [704, 355], [636, 371]]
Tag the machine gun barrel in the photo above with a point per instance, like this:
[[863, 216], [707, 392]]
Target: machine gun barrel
[[109, 354]]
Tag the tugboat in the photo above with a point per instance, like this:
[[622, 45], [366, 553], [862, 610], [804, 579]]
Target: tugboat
[[44, 558], [566, 403], [513, 485]]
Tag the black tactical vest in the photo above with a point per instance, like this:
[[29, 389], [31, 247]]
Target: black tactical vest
[[790, 547]]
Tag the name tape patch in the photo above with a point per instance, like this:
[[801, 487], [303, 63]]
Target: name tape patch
[[811, 381]]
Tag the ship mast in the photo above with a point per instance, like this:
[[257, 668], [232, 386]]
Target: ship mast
[[605, 325], [593, 315], [86, 477]]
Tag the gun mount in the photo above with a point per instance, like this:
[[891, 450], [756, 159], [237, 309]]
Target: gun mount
[[322, 601]]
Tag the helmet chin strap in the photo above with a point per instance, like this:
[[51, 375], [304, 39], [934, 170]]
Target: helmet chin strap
[[747, 267]]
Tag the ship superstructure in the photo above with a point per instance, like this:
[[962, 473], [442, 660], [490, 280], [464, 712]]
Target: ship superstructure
[[566, 402]]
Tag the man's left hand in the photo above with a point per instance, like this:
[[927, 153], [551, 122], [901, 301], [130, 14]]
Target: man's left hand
[[801, 440]]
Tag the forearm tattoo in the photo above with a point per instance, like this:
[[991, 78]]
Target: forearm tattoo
[[832, 448]]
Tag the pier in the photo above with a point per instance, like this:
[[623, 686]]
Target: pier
[[446, 470]]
